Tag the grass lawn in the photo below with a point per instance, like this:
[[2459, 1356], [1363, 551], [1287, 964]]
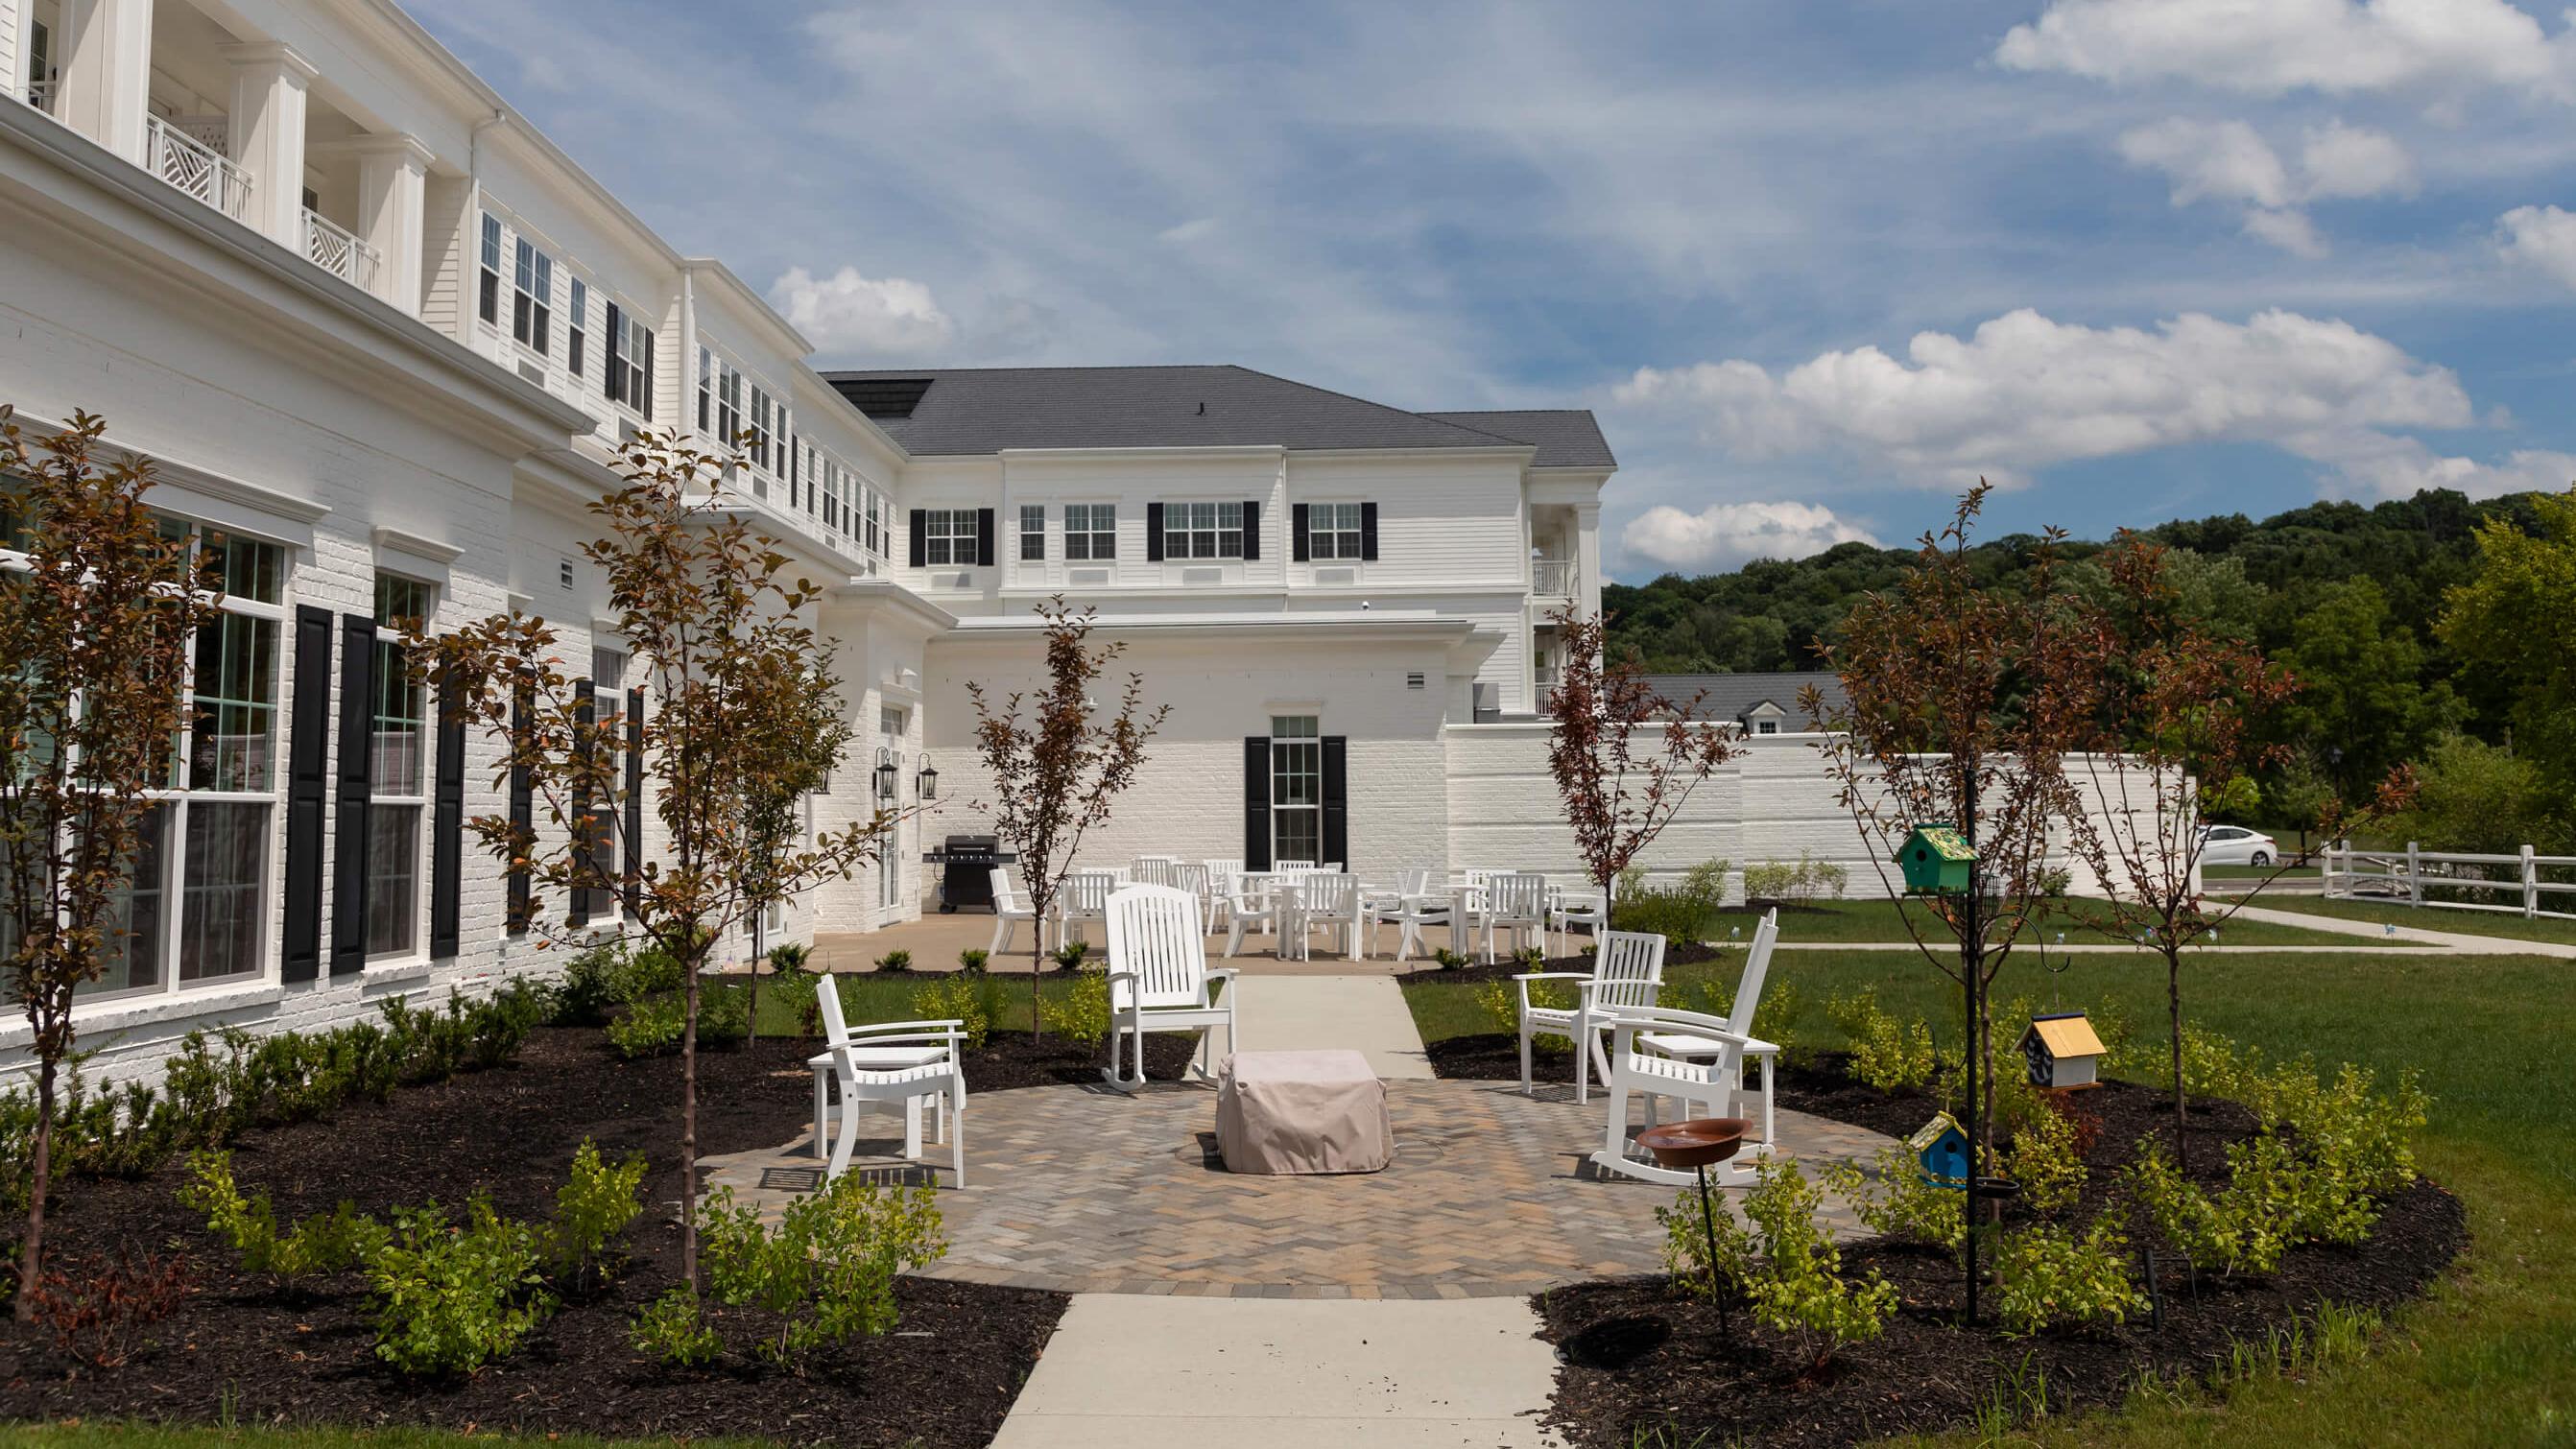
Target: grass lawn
[[2430, 918], [1882, 922], [2490, 1358], [889, 996]]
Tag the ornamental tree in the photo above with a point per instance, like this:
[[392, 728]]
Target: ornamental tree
[[734, 682], [99, 609], [1619, 796], [1057, 771], [788, 754]]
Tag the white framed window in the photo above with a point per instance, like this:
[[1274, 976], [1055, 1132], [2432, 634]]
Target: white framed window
[[532, 290], [397, 776], [1333, 531], [489, 303], [1766, 727], [728, 405], [629, 367], [1202, 530], [1090, 531], [1033, 533], [1296, 787], [706, 388], [876, 524], [577, 327], [948, 536], [608, 711], [760, 432]]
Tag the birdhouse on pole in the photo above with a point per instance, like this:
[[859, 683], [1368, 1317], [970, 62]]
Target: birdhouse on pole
[[1935, 860], [2062, 1051], [1943, 1150]]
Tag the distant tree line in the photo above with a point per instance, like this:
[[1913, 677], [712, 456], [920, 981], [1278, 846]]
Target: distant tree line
[[2431, 631]]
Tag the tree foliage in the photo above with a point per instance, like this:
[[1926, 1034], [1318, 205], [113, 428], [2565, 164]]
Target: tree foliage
[[2514, 622], [1618, 798]]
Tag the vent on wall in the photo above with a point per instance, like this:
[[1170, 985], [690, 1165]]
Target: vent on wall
[[1336, 578], [1200, 577], [1413, 680], [1082, 577], [533, 373]]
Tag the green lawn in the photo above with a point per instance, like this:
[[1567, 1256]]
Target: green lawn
[[889, 996], [2490, 1358], [1884, 921], [2430, 918]]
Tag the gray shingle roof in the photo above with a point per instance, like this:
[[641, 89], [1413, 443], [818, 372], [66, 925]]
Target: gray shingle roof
[[1730, 696], [987, 409], [1564, 437]]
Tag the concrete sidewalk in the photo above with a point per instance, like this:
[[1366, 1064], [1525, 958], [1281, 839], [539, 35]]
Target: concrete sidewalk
[[2465, 942], [1365, 1014], [1129, 1372]]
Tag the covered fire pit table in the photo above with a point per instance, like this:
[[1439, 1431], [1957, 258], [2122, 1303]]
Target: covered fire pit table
[[1302, 1112]]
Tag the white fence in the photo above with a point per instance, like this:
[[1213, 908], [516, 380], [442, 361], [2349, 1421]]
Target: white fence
[[2512, 883]]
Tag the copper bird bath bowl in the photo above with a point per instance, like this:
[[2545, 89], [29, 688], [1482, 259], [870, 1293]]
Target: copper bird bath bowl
[[1696, 1144]]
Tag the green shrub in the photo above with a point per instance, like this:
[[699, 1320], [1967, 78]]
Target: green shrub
[[825, 1274], [649, 1028], [2047, 1163], [673, 1328], [1679, 912], [1896, 1200], [972, 960], [1070, 955], [1798, 1288], [1798, 883], [450, 1299], [724, 1011], [1080, 1012], [960, 997], [594, 1205], [1501, 1003], [789, 958], [332, 1242], [1449, 960], [796, 992], [1886, 1054], [2046, 1277], [1686, 1246], [895, 961]]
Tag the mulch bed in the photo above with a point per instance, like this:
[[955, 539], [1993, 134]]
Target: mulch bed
[[238, 1345], [1635, 1353]]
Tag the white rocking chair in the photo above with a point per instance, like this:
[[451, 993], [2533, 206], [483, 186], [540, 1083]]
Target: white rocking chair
[[1717, 1080], [1009, 909], [1159, 979]]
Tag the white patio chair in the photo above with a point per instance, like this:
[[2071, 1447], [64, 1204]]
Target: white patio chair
[[1570, 906], [1291, 867], [1221, 885], [1740, 1012], [1152, 870], [1330, 900], [1084, 897], [1715, 1080], [1381, 906], [1255, 904], [1159, 979], [1514, 902], [1433, 907], [1626, 973], [1010, 908], [895, 1061], [1194, 879]]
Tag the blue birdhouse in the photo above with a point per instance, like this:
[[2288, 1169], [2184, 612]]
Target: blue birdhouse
[[1943, 1150]]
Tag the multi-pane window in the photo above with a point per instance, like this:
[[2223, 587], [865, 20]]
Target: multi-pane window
[[876, 523], [706, 387], [577, 328], [608, 694], [833, 483], [1090, 531], [397, 770], [1296, 787], [1203, 530], [948, 536], [630, 361], [760, 430], [532, 291], [1033, 533], [490, 305], [728, 405], [1333, 530]]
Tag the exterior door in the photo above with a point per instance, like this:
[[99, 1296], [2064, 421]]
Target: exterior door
[[891, 732]]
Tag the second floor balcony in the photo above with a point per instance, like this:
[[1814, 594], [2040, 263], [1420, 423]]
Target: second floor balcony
[[194, 167], [337, 250], [1552, 578]]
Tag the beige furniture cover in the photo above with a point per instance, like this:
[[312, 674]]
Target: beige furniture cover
[[1302, 1112]]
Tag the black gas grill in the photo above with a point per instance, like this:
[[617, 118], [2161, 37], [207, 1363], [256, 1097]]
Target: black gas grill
[[970, 861]]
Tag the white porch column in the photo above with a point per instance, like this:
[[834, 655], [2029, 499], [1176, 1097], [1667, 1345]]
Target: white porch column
[[393, 173], [105, 52], [1587, 557], [269, 79]]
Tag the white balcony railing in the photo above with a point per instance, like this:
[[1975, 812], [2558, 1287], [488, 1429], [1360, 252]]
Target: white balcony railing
[[195, 168], [40, 94], [1552, 578], [337, 250]]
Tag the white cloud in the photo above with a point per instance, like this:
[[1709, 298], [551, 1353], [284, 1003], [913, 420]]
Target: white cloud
[[849, 313], [1725, 535], [2354, 161], [2229, 162], [2437, 48], [2025, 392], [2540, 236], [2210, 161], [2289, 229]]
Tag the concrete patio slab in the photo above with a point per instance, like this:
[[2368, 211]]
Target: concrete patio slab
[[1365, 1014]]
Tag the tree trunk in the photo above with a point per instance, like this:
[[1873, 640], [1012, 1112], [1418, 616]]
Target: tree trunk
[[759, 940], [31, 1253], [2173, 1008], [696, 957]]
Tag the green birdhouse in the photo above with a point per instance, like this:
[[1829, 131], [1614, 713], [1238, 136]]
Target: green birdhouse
[[1935, 859]]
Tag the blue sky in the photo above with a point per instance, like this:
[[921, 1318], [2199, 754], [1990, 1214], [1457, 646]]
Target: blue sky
[[1815, 265]]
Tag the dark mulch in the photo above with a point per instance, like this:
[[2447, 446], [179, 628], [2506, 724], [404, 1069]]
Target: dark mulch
[[946, 1377], [1686, 953], [1635, 1353]]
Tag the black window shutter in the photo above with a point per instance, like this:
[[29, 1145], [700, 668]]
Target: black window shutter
[[644, 403], [585, 713], [1368, 533], [1300, 548], [523, 800], [1256, 802], [1154, 533], [983, 538], [1337, 800], [1252, 530], [634, 855], [447, 826], [920, 538], [349, 828], [308, 793]]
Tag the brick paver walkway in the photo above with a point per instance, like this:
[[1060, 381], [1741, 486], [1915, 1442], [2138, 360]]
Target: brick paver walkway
[[1084, 1190]]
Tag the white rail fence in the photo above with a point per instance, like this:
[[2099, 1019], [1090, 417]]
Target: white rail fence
[[2522, 884]]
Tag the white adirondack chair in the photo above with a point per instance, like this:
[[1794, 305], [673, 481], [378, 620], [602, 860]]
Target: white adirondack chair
[[1329, 900], [1571, 906], [1739, 1012], [1292, 867], [1221, 888], [1515, 902], [911, 1062], [1626, 973], [1194, 879], [1009, 909], [1159, 978], [1152, 870], [1083, 898], [1716, 1079]]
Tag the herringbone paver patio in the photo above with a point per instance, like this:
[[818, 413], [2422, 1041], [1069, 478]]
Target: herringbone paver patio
[[1087, 1191]]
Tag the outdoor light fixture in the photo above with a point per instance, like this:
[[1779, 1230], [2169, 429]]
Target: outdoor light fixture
[[886, 773], [927, 782]]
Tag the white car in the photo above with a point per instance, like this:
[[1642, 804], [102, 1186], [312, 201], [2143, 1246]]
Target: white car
[[2236, 845]]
